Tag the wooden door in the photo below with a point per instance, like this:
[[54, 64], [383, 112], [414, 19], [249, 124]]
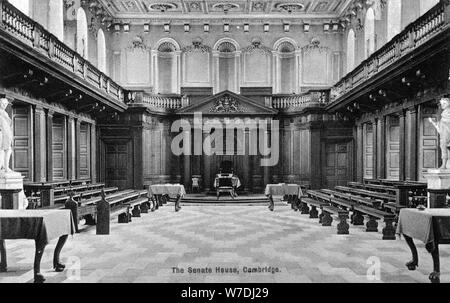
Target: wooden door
[[428, 149], [118, 164], [59, 149], [338, 164], [393, 147]]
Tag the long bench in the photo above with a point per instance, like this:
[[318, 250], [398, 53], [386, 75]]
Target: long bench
[[323, 201], [124, 207], [366, 201], [46, 190], [358, 211]]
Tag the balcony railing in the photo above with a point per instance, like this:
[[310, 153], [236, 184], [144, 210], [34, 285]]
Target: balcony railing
[[163, 104], [34, 35], [414, 35], [316, 98]]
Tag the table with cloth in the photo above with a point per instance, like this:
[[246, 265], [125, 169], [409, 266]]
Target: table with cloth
[[159, 192], [291, 192], [432, 227], [42, 226]]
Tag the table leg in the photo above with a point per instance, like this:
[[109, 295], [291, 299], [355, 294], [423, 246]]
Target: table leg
[[57, 265], [271, 204], [38, 277], [412, 265], [3, 262], [433, 249], [177, 204]]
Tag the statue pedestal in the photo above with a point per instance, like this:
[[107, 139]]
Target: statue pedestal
[[438, 187], [11, 184]]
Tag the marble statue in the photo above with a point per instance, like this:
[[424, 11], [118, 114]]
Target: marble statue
[[6, 136], [443, 128], [6, 141]]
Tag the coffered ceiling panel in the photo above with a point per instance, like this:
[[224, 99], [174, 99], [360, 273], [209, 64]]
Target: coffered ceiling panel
[[225, 8]]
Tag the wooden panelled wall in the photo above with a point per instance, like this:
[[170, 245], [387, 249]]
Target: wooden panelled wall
[[136, 151], [399, 145], [51, 145]]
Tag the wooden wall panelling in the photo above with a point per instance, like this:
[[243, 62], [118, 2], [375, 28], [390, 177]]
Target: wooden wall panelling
[[40, 145], [94, 164], [84, 152], [59, 148], [316, 163], [23, 141], [71, 148], [368, 150], [359, 153], [381, 147], [393, 147], [402, 145], [77, 150], [411, 147], [428, 145], [49, 149]]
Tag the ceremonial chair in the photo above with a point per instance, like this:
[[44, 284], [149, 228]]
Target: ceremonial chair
[[225, 186]]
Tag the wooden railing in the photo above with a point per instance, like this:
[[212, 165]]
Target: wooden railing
[[314, 98], [34, 35], [414, 35]]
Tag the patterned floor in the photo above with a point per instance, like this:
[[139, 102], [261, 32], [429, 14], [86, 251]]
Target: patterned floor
[[149, 248]]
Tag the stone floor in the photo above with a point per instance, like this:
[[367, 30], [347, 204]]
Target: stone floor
[[148, 249]]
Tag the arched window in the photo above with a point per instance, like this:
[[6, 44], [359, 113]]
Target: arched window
[[350, 50], [394, 18], [82, 33], [168, 61], [369, 32], [22, 5], [56, 18], [287, 69], [228, 65], [101, 51]]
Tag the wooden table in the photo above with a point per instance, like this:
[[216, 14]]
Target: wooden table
[[432, 227], [292, 191], [158, 191], [42, 226]]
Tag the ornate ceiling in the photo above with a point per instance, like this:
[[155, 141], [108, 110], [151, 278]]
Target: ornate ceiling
[[220, 9]]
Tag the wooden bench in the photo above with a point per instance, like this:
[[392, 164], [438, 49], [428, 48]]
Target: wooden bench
[[367, 193], [372, 224], [362, 200], [119, 206], [87, 209], [315, 205], [46, 190]]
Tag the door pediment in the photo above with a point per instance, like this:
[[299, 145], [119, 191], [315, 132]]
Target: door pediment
[[227, 104]]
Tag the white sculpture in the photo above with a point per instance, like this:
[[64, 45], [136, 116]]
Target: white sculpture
[[443, 128], [6, 140], [6, 136]]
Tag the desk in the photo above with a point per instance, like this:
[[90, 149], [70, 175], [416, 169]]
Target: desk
[[158, 191], [42, 226], [432, 227], [292, 191]]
